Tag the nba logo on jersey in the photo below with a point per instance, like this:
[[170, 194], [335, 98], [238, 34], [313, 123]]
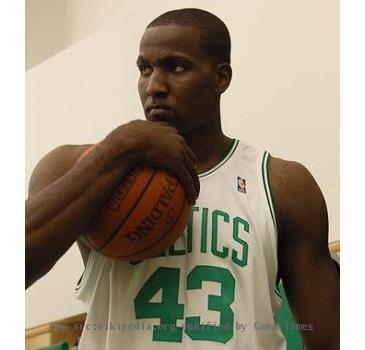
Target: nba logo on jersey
[[241, 184]]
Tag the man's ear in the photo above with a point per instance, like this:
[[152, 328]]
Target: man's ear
[[223, 77]]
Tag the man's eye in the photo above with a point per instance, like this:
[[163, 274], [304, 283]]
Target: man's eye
[[145, 70], [176, 68]]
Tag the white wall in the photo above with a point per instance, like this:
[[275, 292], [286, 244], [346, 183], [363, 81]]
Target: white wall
[[284, 95]]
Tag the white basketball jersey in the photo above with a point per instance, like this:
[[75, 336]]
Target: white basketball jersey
[[215, 288]]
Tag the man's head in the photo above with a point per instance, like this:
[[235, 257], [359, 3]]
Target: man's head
[[215, 40], [184, 61]]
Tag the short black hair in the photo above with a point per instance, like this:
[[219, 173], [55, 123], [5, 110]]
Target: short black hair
[[215, 40]]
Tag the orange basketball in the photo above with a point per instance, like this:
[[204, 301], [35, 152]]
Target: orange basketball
[[144, 216]]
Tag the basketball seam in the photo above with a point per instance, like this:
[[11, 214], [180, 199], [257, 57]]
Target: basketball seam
[[159, 240], [111, 237]]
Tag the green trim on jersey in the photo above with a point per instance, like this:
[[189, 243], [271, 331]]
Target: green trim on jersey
[[277, 290], [223, 161], [265, 175], [86, 273], [78, 285]]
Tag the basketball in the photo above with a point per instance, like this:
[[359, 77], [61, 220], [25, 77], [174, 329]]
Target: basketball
[[144, 216]]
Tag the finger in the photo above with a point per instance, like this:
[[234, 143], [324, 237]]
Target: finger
[[194, 175], [190, 152], [186, 181]]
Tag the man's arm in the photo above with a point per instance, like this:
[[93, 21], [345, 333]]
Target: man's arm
[[65, 194], [309, 275], [52, 167]]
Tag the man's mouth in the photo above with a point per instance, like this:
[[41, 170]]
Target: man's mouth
[[158, 107], [159, 111]]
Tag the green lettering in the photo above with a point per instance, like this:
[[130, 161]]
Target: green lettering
[[216, 213], [190, 229], [237, 221], [173, 251], [203, 237]]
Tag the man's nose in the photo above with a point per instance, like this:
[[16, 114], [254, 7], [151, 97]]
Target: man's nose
[[156, 84]]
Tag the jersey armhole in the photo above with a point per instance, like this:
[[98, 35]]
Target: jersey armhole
[[265, 177], [82, 283]]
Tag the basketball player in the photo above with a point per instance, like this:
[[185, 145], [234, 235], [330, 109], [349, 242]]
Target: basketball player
[[257, 220]]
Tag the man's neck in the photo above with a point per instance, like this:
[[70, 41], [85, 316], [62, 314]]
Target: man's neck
[[210, 146]]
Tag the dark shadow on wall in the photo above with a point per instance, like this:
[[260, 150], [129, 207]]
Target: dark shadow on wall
[[45, 30]]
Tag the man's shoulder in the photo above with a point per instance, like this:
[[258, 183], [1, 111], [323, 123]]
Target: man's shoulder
[[288, 170], [65, 153], [55, 164], [63, 157], [290, 174], [293, 188]]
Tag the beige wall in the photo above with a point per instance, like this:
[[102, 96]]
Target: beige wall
[[284, 95], [53, 25]]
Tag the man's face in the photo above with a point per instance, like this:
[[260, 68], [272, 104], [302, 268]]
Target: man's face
[[176, 84]]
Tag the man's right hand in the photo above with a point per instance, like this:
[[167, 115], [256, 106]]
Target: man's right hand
[[157, 145]]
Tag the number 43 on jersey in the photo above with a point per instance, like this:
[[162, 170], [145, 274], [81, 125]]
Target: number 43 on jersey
[[169, 310]]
